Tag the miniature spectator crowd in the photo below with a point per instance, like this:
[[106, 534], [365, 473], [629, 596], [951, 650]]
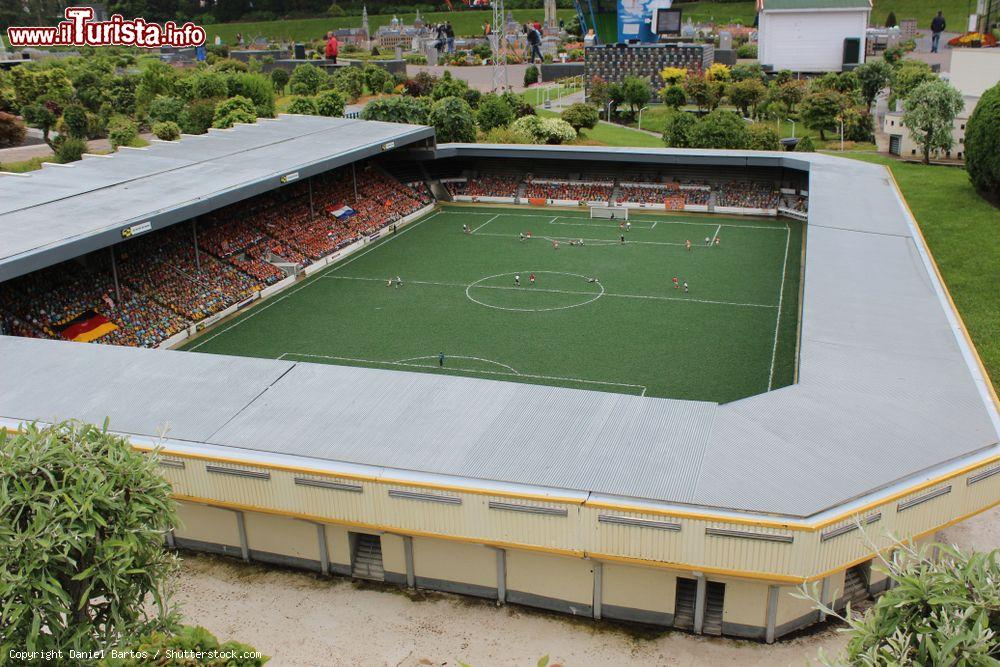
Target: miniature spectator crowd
[[747, 195], [165, 285]]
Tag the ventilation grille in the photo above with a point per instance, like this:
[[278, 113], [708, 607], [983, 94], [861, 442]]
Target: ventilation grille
[[913, 502], [527, 509], [326, 484], [237, 472], [849, 528], [170, 463], [426, 497], [641, 523], [747, 535], [980, 476]]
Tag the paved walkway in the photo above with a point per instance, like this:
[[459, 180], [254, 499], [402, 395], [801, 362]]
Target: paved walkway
[[479, 77]]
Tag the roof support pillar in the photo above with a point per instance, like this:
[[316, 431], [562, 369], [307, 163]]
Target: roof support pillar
[[197, 257], [598, 589], [114, 272], [324, 552], [411, 575], [241, 528], [824, 597], [699, 603], [772, 612], [501, 576], [354, 177], [310, 182]]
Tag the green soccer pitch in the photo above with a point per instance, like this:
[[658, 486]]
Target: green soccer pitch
[[733, 334]]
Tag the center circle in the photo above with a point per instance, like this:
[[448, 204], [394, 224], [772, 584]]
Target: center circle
[[573, 287]]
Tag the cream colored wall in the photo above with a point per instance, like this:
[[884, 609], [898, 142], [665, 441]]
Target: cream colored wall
[[282, 535], [745, 603], [207, 524], [638, 587], [558, 577], [791, 608], [338, 544], [973, 71], [455, 561], [393, 554]]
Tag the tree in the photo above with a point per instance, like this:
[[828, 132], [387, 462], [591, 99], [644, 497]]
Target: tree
[[69, 149], [580, 116], [761, 137], [673, 76], [36, 85], [557, 131], [448, 86], [873, 76], [704, 93], [75, 120], [305, 106], [746, 95], [929, 113], [720, 129], [232, 111], [197, 118], [255, 87], [279, 77], [168, 130], [330, 103], [718, 72], [375, 78], [805, 145], [674, 97], [636, 93], [307, 79], [166, 108], [938, 611], [908, 76], [120, 96], [982, 144], [530, 75], [157, 78], [493, 112], [452, 120], [790, 93], [349, 81], [209, 85], [890, 20], [122, 131], [82, 538], [12, 130], [677, 131], [41, 117], [821, 109], [744, 72], [183, 639]]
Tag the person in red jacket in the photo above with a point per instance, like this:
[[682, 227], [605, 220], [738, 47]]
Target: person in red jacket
[[332, 47]]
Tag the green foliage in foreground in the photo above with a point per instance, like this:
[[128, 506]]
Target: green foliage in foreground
[[943, 612], [982, 144], [81, 539], [186, 638]]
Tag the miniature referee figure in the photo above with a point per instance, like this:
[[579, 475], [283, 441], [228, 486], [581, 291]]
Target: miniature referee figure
[[441, 359]]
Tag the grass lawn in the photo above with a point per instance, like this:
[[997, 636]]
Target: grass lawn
[[631, 332], [464, 23], [961, 230]]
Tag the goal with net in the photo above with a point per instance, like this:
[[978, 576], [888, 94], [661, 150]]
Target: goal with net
[[609, 212]]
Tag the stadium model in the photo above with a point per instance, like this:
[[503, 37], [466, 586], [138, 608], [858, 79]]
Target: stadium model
[[600, 500]]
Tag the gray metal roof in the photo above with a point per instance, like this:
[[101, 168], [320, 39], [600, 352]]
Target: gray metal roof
[[64, 211], [889, 392]]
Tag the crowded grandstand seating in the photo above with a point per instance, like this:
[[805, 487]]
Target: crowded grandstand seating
[[164, 287], [493, 185], [569, 190], [456, 187], [747, 195], [696, 197], [637, 194]]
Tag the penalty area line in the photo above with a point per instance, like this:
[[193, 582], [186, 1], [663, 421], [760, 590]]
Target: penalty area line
[[407, 364]]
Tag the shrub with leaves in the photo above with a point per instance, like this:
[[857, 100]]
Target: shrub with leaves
[[279, 77], [678, 128], [168, 130], [307, 79], [75, 120], [81, 543], [937, 612], [69, 149], [305, 106], [413, 110], [185, 638], [449, 86], [982, 144], [330, 103], [530, 75], [580, 116], [452, 120], [349, 81], [930, 112], [761, 137], [557, 131], [673, 76], [122, 131], [805, 145], [375, 78], [12, 130], [198, 116], [493, 112], [720, 129], [232, 111], [166, 108], [673, 96], [255, 87]]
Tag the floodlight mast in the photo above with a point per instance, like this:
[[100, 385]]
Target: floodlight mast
[[498, 40]]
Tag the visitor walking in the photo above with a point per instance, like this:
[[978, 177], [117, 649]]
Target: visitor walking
[[332, 47], [534, 42], [937, 27], [449, 34]]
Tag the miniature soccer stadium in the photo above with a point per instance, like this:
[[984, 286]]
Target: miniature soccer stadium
[[602, 315]]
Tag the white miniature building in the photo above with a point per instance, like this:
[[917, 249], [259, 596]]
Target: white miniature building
[[812, 35]]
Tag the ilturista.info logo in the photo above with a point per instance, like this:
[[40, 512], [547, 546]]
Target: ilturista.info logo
[[80, 29]]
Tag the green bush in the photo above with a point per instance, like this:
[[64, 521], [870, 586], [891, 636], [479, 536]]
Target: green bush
[[448, 86], [255, 87], [375, 78], [330, 103], [208, 85], [452, 120], [413, 110], [307, 79], [122, 131], [673, 96], [720, 129], [350, 81], [805, 145], [747, 50], [493, 112], [279, 77], [75, 118], [197, 117], [506, 135], [557, 131], [229, 65], [530, 75], [982, 145], [305, 106], [164, 108], [232, 111], [890, 20], [761, 137], [677, 130], [580, 116], [69, 149], [167, 130]]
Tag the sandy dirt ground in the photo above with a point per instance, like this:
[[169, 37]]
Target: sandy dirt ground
[[302, 619]]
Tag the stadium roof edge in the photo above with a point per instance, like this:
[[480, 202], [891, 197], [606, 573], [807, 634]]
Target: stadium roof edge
[[53, 215]]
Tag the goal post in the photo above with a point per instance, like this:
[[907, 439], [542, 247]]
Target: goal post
[[609, 212]]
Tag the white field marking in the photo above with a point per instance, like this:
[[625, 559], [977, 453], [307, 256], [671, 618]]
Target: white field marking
[[781, 295], [594, 224], [486, 223], [465, 370], [716, 235], [574, 238], [595, 295], [654, 225], [577, 217], [338, 265], [459, 356], [651, 297]]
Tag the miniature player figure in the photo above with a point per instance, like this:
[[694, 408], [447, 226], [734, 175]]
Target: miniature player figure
[[388, 283], [718, 243], [531, 278], [555, 244], [685, 287], [595, 279], [708, 241], [399, 281], [517, 280], [628, 226], [687, 244], [677, 284], [622, 239], [522, 236], [466, 229]]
